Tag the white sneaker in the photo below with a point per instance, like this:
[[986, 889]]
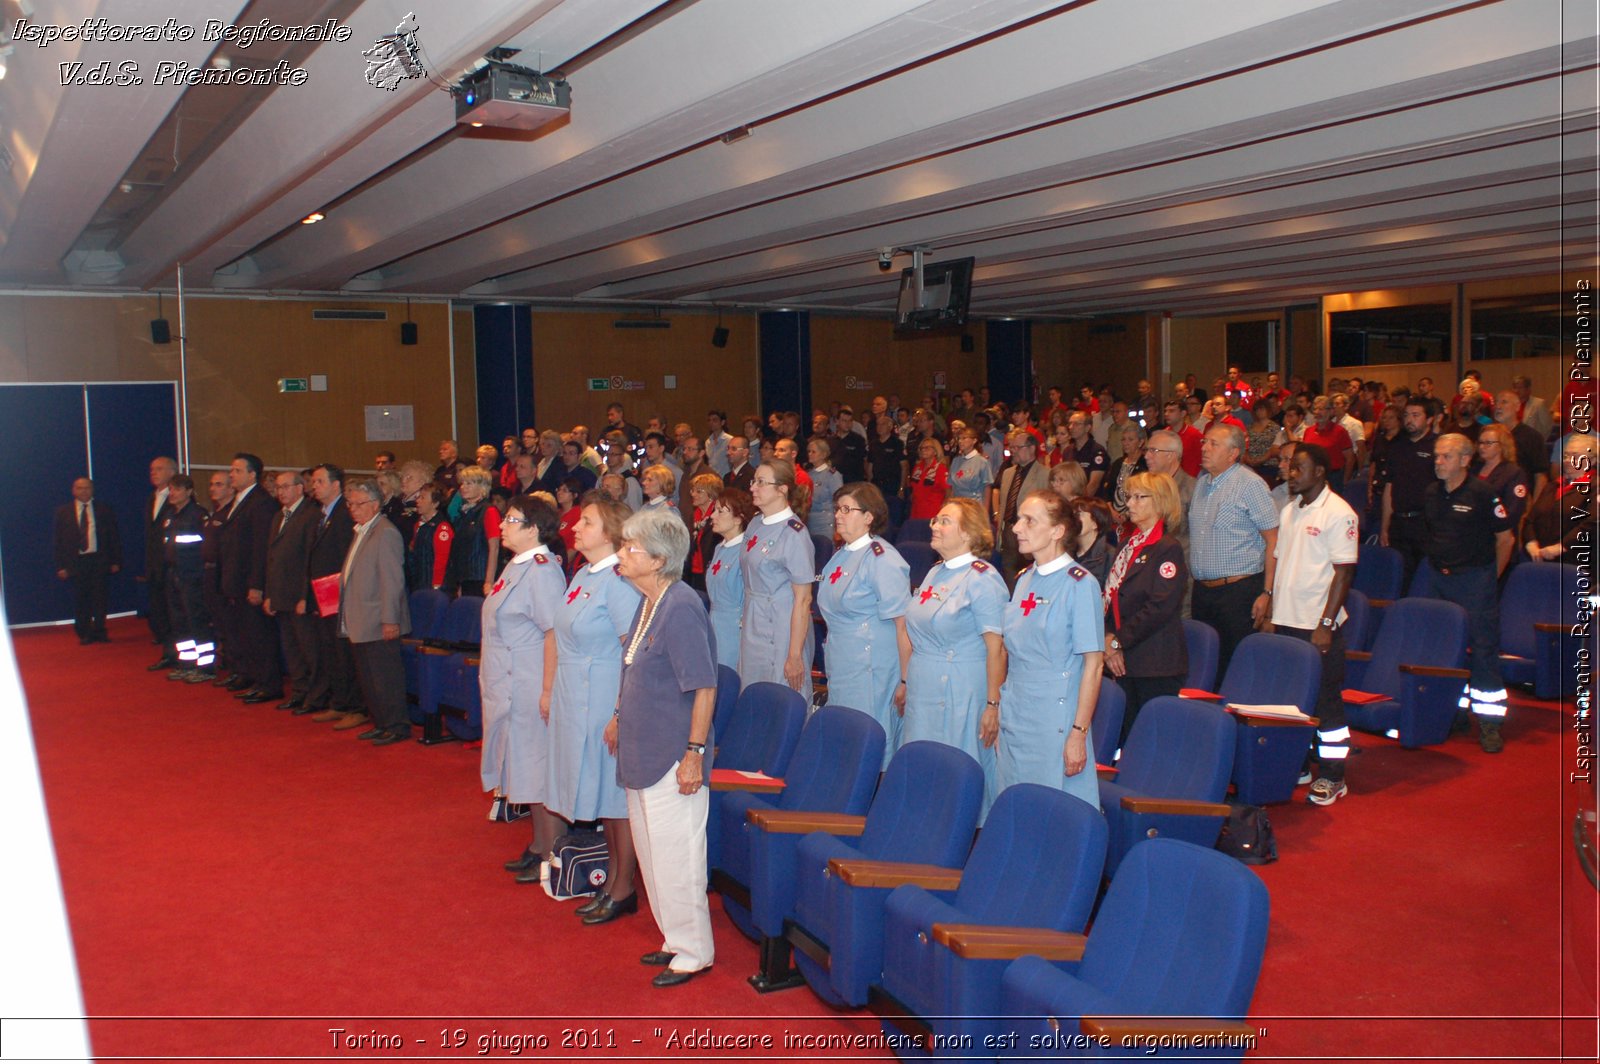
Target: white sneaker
[[1325, 791]]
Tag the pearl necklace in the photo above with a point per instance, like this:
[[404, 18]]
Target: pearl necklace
[[644, 626]]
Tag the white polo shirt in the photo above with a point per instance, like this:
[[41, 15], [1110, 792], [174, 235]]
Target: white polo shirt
[[1311, 541]]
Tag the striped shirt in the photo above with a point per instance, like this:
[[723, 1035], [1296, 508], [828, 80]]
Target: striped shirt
[[1226, 518]]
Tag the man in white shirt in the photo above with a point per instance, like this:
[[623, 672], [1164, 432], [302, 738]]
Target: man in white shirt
[[1310, 572], [1356, 430], [716, 444]]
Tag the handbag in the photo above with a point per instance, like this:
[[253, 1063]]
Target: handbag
[[1247, 835], [577, 865]]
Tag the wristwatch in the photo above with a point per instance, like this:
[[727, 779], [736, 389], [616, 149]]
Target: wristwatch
[[697, 748], [1329, 622], [1113, 643]]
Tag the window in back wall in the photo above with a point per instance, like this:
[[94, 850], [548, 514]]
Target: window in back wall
[[1383, 336], [1518, 326]]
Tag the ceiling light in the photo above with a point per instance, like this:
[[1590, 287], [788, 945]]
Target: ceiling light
[[475, 125], [738, 133], [312, 219]]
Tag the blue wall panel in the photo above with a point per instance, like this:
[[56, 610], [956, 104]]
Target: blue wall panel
[[129, 424], [786, 362], [1010, 347], [503, 335], [42, 425]]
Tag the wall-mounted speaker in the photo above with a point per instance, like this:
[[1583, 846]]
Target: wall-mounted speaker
[[160, 331], [408, 333], [719, 336]]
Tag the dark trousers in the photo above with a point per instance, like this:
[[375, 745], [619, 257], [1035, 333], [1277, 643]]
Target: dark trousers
[[1139, 690], [221, 623], [1408, 535], [1011, 560], [188, 617], [1333, 735], [159, 613], [297, 637], [1227, 609], [1474, 590], [257, 638], [383, 682], [333, 680], [90, 574]]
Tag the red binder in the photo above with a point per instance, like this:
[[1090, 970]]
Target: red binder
[[1362, 698], [326, 589]]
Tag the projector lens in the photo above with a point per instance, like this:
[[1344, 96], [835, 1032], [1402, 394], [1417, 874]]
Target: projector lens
[[472, 97]]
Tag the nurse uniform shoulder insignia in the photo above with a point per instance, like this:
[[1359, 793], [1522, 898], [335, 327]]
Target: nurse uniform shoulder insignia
[[797, 524], [980, 566], [1077, 572], [541, 559], [877, 548]]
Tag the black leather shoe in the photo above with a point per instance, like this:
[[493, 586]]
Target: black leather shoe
[[302, 711], [256, 695], [529, 859], [538, 872], [592, 904], [293, 703], [390, 738], [657, 958], [372, 733], [220, 680], [237, 683], [164, 663], [673, 977], [611, 908]]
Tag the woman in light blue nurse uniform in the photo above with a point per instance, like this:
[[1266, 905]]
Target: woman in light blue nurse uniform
[[779, 566], [863, 594], [957, 656], [732, 511], [971, 476], [1054, 637], [595, 615]]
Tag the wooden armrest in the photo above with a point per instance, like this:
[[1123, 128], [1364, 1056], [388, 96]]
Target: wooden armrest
[[985, 942], [1117, 1028], [1179, 806], [1358, 655], [1379, 604], [1545, 627], [1276, 722], [409, 642], [863, 873], [802, 822], [436, 651], [475, 662], [1435, 670]]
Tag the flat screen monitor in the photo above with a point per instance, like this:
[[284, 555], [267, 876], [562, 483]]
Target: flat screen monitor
[[946, 291]]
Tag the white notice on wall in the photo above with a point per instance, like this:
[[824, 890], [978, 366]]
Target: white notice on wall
[[389, 423]]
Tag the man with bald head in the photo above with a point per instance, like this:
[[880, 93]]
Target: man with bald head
[[156, 512], [87, 551]]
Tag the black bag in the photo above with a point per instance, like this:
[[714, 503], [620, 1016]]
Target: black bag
[[578, 865], [1247, 835]]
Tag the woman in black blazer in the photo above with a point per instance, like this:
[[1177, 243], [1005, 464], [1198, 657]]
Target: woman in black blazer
[[1145, 647]]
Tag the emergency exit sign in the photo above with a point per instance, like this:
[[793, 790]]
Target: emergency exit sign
[[294, 384], [599, 384]]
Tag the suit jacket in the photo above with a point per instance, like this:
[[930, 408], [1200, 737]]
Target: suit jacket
[[742, 478], [1150, 603], [1037, 479], [106, 535], [245, 534], [288, 551], [374, 590], [329, 542], [155, 552]]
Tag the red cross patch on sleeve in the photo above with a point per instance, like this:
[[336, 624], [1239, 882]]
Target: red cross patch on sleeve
[[1168, 570], [1500, 510], [1520, 491]]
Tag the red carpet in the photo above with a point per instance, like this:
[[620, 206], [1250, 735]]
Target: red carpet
[[239, 881]]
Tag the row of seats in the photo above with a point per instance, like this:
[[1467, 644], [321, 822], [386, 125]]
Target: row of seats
[[878, 896]]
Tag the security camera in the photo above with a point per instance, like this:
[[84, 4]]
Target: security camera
[[885, 258]]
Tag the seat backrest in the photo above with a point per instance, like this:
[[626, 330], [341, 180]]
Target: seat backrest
[[463, 621], [1178, 749], [926, 808], [727, 698], [1109, 709], [1037, 862], [822, 550], [1204, 648], [1415, 631], [915, 530], [920, 557], [1358, 620], [1422, 581], [1181, 933], [835, 763], [765, 727], [1271, 670], [1354, 492], [1535, 593], [427, 606], [1380, 571]]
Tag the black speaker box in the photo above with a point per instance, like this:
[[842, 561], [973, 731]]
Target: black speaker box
[[160, 331], [719, 337], [408, 333]]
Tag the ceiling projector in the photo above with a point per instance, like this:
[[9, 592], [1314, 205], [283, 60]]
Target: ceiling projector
[[511, 97]]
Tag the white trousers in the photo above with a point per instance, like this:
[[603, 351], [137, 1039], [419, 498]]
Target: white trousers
[[669, 833]]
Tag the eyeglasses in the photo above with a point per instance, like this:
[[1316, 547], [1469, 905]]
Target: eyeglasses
[[1144, 497], [765, 483], [515, 521], [843, 509]]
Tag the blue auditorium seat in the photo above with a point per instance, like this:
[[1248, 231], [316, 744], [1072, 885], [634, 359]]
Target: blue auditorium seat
[[1536, 613], [1417, 661], [1205, 647], [1270, 669]]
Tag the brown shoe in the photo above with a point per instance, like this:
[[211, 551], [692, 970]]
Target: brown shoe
[[347, 721], [326, 715]]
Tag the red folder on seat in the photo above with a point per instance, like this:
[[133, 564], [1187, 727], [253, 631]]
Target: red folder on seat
[[1195, 692], [1362, 698], [326, 589], [733, 779]]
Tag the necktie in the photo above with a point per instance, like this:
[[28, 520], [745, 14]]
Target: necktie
[[83, 528], [1015, 490]]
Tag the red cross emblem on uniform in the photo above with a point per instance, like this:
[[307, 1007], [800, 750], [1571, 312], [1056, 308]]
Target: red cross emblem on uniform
[[716, 567], [749, 544], [833, 577], [1028, 604], [1168, 570], [498, 584], [927, 593], [573, 593]]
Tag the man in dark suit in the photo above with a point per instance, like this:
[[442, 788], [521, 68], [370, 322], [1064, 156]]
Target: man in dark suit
[[243, 571], [156, 512], [373, 614], [87, 551], [740, 471], [288, 585], [1024, 475], [333, 691]]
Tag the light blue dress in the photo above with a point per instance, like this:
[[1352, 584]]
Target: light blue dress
[[1053, 619], [947, 684], [517, 617], [825, 483], [594, 615], [860, 593], [725, 588], [970, 477], [776, 557]]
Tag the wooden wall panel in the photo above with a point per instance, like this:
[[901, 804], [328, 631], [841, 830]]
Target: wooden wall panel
[[854, 359], [237, 350], [1111, 350], [570, 347], [466, 378], [1200, 346]]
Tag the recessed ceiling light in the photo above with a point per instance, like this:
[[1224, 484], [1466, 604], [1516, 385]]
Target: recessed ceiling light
[[475, 125], [312, 219]]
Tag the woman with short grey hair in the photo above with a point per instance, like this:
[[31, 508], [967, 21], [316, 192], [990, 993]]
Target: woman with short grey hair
[[661, 735]]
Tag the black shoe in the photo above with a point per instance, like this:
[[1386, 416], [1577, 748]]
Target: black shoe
[[658, 958], [304, 710], [390, 738], [592, 904], [101, 637], [673, 977], [84, 640], [164, 663], [538, 872], [236, 683], [293, 703], [372, 733], [611, 908], [255, 696], [530, 859]]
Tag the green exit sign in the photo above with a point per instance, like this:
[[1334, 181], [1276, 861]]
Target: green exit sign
[[294, 384], [599, 384]]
